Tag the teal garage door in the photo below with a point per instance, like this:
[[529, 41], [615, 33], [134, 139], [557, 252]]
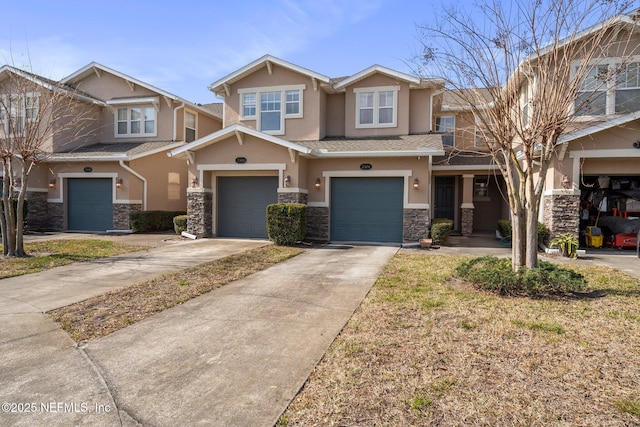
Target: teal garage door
[[242, 205], [90, 204], [366, 209]]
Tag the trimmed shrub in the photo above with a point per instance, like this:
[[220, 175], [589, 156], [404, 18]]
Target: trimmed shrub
[[150, 221], [494, 274], [440, 229], [180, 223], [286, 222]]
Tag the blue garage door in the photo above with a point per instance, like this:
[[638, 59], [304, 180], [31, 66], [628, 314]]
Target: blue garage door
[[90, 204], [242, 205], [366, 209]]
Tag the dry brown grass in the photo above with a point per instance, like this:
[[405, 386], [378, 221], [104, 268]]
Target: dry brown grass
[[420, 351], [107, 313]]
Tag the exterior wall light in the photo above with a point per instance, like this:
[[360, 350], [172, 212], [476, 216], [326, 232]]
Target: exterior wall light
[[416, 184], [566, 182], [119, 183], [52, 183], [194, 182], [287, 181], [317, 184]]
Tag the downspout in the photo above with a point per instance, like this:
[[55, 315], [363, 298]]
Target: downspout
[[175, 121], [141, 178]]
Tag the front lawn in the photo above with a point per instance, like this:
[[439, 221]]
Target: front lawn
[[54, 253], [425, 349]]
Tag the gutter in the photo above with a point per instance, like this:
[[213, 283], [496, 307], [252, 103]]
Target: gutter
[[175, 120], [142, 178]]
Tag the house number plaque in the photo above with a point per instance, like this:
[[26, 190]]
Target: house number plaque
[[366, 166]]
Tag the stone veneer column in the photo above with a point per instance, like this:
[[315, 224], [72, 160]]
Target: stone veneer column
[[121, 215], [293, 197], [466, 223], [415, 224], [200, 212], [318, 223], [55, 213], [37, 214], [562, 212]]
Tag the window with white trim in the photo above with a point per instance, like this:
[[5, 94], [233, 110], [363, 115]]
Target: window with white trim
[[17, 111], [270, 106], [136, 121], [189, 126], [611, 86], [482, 136], [446, 125], [376, 107]]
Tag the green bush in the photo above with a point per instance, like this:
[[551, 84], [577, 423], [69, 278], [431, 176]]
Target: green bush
[[495, 274], [150, 221], [180, 223], [505, 229], [440, 229], [286, 222]]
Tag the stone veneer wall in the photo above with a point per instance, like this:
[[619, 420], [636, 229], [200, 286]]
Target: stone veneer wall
[[467, 222], [293, 198], [200, 213], [562, 214], [121, 212], [318, 223], [55, 220], [37, 214], [415, 224]]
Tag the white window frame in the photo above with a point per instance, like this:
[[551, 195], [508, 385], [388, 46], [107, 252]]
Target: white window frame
[[453, 132], [258, 91], [376, 106], [195, 121], [128, 120], [18, 110], [609, 88]]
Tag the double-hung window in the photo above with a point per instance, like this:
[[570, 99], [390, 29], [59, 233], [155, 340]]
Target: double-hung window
[[136, 121], [592, 97], [628, 89], [270, 106], [17, 111], [189, 126], [446, 125], [376, 107]]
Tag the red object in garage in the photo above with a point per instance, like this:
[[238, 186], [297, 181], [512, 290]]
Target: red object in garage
[[626, 240]]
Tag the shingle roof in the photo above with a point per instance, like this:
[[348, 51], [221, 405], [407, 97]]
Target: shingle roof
[[116, 150], [215, 108], [387, 143]]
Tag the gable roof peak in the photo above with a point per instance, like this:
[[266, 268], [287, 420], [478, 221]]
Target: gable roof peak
[[219, 87]]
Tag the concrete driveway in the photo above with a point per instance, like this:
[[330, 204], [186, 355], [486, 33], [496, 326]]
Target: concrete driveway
[[233, 357]]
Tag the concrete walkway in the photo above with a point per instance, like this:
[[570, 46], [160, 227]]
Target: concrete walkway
[[233, 357]]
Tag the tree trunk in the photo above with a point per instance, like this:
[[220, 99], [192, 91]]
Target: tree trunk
[[20, 215], [518, 247], [9, 237]]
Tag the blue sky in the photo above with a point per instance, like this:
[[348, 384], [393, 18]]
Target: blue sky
[[182, 47]]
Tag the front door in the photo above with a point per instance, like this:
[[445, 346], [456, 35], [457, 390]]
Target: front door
[[444, 197]]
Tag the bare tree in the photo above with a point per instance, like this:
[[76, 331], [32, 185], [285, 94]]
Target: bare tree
[[35, 113], [523, 68]]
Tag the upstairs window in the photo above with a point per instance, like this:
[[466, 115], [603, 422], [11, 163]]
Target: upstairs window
[[136, 121], [592, 98], [189, 126], [270, 106], [376, 107], [446, 125], [17, 111], [628, 89]]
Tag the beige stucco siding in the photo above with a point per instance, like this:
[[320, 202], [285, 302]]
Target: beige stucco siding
[[420, 111], [374, 81], [335, 115], [296, 129], [166, 181]]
